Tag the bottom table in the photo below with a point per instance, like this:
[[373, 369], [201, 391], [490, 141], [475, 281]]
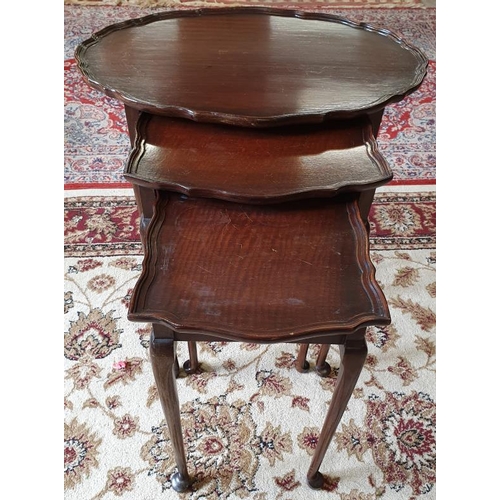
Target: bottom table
[[298, 271]]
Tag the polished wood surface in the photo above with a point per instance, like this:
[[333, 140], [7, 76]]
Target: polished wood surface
[[163, 357], [289, 272], [352, 357], [251, 66], [256, 165], [257, 273], [254, 220]]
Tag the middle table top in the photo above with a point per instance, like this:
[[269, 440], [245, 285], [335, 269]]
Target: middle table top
[[256, 165], [251, 66]]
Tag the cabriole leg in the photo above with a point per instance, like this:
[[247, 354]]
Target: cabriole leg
[[352, 355], [163, 361]]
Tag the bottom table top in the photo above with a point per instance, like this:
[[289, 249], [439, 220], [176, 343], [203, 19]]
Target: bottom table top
[[258, 273]]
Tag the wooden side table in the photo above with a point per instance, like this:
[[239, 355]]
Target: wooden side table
[[251, 67], [254, 165]]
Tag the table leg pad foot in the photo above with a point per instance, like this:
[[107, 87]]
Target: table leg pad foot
[[316, 481], [180, 483], [302, 368], [187, 367], [323, 370]]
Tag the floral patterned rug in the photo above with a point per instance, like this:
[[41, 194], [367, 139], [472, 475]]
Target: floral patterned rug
[[309, 4], [251, 421]]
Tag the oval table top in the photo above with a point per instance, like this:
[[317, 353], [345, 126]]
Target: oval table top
[[251, 66]]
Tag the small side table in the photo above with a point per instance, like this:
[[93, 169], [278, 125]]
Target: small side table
[[254, 165], [250, 67]]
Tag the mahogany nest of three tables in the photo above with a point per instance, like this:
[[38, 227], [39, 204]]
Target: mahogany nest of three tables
[[254, 164]]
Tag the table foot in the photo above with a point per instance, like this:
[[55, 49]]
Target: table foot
[[324, 369], [303, 367], [316, 482], [187, 367], [179, 482]]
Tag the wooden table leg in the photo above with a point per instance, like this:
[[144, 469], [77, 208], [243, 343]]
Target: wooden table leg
[[145, 200], [163, 361], [322, 367], [301, 364], [192, 364], [353, 354], [365, 202], [144, 197], [376, 119]]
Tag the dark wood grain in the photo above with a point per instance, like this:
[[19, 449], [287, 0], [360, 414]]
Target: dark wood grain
[[257, 273], [251, 66], [254, 235], [256, 165]]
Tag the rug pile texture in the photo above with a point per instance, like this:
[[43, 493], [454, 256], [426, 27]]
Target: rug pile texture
[[251, 421]]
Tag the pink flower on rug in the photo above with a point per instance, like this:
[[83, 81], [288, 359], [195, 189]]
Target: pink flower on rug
[[101, 283], [87, 264], [127, 263], [126, 375]]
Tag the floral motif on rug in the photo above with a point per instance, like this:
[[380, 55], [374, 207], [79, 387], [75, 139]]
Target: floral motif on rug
[[251, 422], [97, 225]]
